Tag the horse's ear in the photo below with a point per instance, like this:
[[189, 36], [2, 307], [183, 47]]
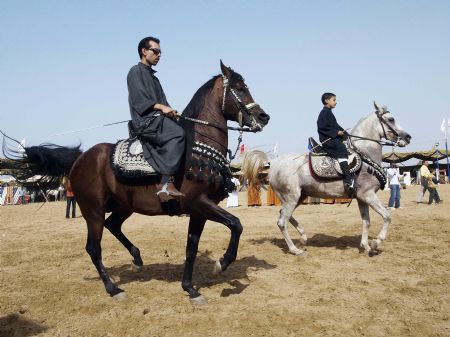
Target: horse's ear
[[225, 70], [377, 107]]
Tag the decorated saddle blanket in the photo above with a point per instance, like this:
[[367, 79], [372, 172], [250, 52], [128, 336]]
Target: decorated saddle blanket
[[323, 166], [128, 160]]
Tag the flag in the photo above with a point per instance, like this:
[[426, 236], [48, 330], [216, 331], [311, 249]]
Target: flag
[[242, 149], [443, 126]]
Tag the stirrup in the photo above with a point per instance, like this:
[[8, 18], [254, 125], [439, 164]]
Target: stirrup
[[163, 194], [350, 186]]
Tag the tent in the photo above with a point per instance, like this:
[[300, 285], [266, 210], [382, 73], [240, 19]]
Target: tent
[[398, 157]]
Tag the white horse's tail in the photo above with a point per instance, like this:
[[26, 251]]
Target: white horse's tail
[[254, 162]]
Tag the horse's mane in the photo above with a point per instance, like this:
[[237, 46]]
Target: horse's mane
[[193, 109], [198, 100]]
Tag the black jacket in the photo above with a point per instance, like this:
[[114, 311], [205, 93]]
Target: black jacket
[[328, 128]]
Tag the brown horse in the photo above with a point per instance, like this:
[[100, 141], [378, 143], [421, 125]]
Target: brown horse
[[204, 177]]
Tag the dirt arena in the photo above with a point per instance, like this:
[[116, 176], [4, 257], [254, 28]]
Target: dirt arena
[[49, 287]]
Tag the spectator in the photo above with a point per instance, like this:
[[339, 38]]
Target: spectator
[[233, 200], [424, 175], [394, 185], [22, 195], [70, 200], [432, 187]]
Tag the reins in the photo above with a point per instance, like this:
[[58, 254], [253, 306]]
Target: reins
[[381, 142], [217, 126]]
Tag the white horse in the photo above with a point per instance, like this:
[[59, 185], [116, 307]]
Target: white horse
[[57, 194], [292, 180]]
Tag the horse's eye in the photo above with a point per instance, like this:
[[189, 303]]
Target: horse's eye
[[390, 119]]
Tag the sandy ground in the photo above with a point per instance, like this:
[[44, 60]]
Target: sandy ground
[[49, 287]]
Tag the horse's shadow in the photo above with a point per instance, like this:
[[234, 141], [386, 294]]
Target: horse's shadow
[[169, 272], [318, 240], [17, 325]]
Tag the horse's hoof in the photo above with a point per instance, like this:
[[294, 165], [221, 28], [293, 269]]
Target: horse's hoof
[[122, 296], [299, 252], [199, 300], [374, 245], [135, 267], [217, 268]]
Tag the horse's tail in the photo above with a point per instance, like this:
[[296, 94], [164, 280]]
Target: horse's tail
[[254, 162], [47, 164]]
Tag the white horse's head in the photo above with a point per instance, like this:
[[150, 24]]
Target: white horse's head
[[389, 128]]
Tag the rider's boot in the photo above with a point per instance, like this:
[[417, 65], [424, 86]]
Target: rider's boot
[[349, 182], [167, 190]]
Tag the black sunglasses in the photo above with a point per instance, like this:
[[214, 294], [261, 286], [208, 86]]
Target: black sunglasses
[[157, 51]]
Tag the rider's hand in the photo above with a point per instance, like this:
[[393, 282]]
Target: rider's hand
[[341, 133], [169, 112]]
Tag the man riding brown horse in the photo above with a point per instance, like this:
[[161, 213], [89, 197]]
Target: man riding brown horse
[[162, 138]]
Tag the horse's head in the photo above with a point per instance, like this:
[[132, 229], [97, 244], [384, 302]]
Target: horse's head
[[238, 104], [389, 128]]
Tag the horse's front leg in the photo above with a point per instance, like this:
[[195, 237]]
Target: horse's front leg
[[375, 203], [196, 225], [208, 209], [378, 207]]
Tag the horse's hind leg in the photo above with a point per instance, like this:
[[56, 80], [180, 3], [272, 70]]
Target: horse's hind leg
[[114, 224], [287, 209], [299, 228], [297, 225], [364, 211]]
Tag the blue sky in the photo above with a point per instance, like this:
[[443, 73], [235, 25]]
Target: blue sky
[[63, 64]]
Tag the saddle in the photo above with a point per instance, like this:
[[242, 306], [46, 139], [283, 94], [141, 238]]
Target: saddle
[[127, 160], [323, 166]]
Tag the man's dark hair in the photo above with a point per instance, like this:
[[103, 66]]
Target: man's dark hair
[[145, 43], [327, 96]]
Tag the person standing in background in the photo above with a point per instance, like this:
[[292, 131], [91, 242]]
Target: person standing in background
[[394, 186], [233, 196], [22, 195], [70, 200], [424, 175]]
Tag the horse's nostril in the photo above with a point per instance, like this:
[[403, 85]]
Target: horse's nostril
[[263, 116]]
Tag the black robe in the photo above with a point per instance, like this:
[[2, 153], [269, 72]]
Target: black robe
[[328, 128], [163, 140]]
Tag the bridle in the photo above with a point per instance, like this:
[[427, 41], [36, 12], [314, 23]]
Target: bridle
[[383, 123], [241, 107], [239, 104]]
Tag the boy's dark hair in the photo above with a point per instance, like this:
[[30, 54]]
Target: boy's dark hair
[[326, 96], [145, 44]]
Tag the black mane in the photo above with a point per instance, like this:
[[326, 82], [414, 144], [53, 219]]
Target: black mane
[[198, 100]]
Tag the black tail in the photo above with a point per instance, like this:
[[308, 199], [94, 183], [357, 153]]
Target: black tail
[[51, 162]]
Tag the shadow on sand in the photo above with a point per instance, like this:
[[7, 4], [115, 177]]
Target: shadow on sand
[[318, 240], [236, 275], [19, 326]]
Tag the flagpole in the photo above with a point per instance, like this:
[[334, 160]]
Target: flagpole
[[446, 153]]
